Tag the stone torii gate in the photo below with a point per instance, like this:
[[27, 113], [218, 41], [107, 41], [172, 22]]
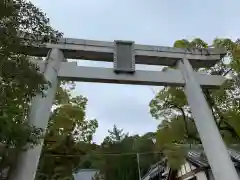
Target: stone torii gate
[[125, 54]]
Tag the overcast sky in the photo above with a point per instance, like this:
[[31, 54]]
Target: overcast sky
[[153, 22]]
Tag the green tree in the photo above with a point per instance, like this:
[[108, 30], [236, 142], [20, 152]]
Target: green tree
[[170, 104], [115, 135], [118, 159], [19, 78], [68, 136]]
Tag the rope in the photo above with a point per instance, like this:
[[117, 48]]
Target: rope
[[104, 154]]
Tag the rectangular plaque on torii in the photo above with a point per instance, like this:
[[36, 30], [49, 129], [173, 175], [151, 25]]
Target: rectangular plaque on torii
[[124, 57]]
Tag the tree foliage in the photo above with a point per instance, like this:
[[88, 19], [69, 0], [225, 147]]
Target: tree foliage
[[171, 106], [68, 136], [117, 159], [19, 78], [115, 135]]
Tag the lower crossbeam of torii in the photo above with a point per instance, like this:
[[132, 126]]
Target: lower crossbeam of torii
[[124, 55]]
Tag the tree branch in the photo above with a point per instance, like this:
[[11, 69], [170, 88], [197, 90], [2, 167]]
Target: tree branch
[[229, 128], [188, 135]]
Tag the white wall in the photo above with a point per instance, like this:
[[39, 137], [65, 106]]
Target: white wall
[[201, 175], [85, 174], [185, 168], [188, 167]]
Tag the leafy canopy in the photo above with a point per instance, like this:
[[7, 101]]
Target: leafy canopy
[[19, 78], [68, 136], [171, 106]]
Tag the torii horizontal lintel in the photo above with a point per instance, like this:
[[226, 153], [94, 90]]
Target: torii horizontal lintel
[[71, 71], [144, 54]]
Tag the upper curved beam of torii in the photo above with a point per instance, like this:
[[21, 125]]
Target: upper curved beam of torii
[[144, 54]]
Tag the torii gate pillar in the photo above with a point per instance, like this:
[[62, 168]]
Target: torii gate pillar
[[220, 162], [38, 116]]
